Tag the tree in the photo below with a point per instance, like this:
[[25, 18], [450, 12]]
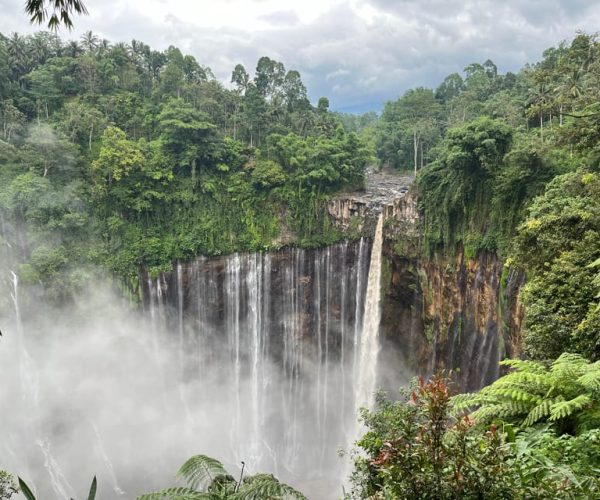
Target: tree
[[119, 159], [240, 78], [269, 77], [208, 479], [416, 116], [185, 132], [62, 12], [566, 395], [417, 449]]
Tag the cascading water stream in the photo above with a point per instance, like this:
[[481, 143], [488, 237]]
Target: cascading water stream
[[367, 351], [252, 357], [366, 375], [274, 337], [29, 392]]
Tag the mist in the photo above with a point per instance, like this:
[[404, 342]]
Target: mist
[[244, 358]]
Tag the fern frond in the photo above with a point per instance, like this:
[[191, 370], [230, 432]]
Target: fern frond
[[563, 409], [500, 410], [517, 394], [266, 487], [200, 471], [539, 412], [568, 362], [590, 380], [181, 493], [524, 365], [524, 378], [468, 400]]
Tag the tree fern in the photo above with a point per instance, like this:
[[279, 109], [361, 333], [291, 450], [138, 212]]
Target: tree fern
[[200, 471], [180, 493], [566, 393], [266, 487], [564, 409], [590, 380], [538, 412]]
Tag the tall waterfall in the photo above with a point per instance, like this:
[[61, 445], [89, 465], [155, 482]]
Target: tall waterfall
[[365, 383], [29, 397], [279, 339], [254, 357]]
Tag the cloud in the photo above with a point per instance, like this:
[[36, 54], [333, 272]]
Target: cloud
[[281, 18], [360, 53]]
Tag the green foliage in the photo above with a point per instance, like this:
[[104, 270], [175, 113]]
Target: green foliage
[[566, 395], [208, 479], [25, 490], [7, 485], [556, 244], [408, 128], [421, 447], [457, 188], [30, 496], [63, 11], [118, 156]]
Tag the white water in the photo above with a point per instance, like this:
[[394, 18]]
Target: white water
[[366, 375], [254, 357], [29, 396]]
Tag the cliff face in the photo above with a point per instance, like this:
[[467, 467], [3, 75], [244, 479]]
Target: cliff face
[[452, 313]]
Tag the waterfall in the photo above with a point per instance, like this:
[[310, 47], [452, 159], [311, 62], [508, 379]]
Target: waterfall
[[366, 375], [273, 337], [254, 357], [367, 349], [29, 401]]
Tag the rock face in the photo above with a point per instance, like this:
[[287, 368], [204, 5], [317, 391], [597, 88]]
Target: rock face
[[454, 314], [440, 313], [358, 211]]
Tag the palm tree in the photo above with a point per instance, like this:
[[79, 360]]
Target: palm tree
[[72, 49], [62, 11], [89, 41], [19, 59], [207, 479]]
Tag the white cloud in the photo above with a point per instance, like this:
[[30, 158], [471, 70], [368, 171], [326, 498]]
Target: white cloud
[[359, 52]]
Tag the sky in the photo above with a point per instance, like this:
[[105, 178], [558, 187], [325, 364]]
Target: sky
[[358, 53]]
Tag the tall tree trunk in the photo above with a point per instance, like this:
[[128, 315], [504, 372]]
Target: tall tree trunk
[[415, 149], [542, 127], [560, 116]]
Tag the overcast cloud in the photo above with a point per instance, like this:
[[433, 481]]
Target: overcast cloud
[[359, 53]]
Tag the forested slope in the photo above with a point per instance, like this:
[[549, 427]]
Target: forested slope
[[117, 155], [508, 164]]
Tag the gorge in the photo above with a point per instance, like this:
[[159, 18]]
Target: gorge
[[266, 357]]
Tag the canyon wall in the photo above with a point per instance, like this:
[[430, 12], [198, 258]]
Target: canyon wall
[[440, 312]]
